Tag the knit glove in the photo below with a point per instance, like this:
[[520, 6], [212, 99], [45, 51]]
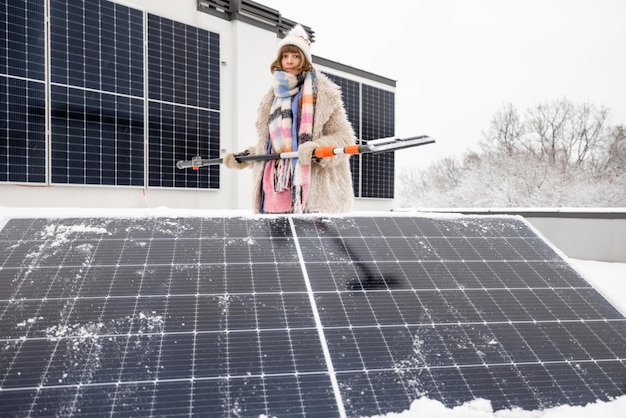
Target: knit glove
[[229, 161], [305, 152]]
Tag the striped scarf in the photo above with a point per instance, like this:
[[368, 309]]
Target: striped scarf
[[287, 132]]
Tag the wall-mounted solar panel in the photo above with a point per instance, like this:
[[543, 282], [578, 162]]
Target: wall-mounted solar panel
[[371, 112], [22, 92], [96, 94], [296, 316], [183, 89], [378, 122]]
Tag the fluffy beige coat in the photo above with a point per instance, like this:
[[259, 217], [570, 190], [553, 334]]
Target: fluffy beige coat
[[330, 188]]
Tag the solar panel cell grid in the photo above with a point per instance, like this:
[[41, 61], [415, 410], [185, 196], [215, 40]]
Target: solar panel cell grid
[[23, 151], [21, 51], [78, 119], [295, 316], [79, 56]]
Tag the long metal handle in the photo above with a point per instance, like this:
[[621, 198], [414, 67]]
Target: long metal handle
[[372, 147]]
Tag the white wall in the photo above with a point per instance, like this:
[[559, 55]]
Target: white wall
[[253, 52], [585, 238], [587, 233]]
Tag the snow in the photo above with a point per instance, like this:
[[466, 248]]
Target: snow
[[608, 278], [481, 408]]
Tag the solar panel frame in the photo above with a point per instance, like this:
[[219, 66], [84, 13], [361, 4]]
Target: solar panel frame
[[184, 102]]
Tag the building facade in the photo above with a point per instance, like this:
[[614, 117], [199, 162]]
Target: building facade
[[100, 99]]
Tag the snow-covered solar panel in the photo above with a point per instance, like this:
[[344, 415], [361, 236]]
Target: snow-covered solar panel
[[294, 316]]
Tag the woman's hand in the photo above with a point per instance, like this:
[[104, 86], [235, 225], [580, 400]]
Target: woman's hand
[[305, 152], [230, 160]]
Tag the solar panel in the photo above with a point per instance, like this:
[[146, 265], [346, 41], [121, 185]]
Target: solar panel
[[97, 86], [96, 94], [22, 93], [184, 102], [371, 112], [310, 315]]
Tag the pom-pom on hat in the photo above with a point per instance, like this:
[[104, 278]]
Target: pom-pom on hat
[[297, 36]]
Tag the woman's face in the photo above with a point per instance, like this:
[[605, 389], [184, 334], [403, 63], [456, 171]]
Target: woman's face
[[291, 62]]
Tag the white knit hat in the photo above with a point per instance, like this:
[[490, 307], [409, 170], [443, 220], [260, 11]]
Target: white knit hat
[[298, 37]]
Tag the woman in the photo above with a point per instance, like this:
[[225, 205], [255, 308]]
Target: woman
[[302, 111]]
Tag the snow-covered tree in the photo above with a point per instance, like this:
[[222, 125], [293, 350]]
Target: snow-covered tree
[[559, 154]]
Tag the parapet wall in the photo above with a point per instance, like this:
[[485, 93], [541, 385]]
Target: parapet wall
[[586, 234]]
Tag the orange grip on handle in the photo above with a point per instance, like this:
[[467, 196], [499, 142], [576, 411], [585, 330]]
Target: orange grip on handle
[[352, 149], [323, 152]]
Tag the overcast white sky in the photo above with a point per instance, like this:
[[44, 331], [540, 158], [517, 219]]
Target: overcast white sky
[[456, 62]]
